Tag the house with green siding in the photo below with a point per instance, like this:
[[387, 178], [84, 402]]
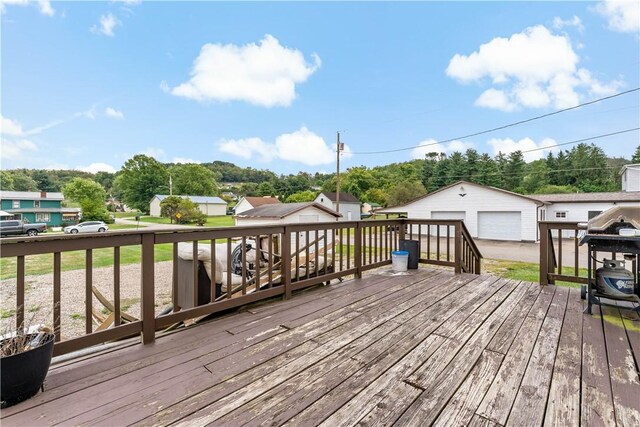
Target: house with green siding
[[38, 206]]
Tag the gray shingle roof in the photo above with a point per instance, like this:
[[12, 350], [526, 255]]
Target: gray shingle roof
[[282, 210], [620, 196], [29, 195]]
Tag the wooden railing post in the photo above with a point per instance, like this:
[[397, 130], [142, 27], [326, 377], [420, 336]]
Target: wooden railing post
[[285, 266], [457, 256], [148, 289], [401, 234], [357, 250], [544, 253]]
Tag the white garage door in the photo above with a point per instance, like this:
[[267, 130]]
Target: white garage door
[[500, 225]]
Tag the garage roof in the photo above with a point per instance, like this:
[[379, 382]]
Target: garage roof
[[620, 196]]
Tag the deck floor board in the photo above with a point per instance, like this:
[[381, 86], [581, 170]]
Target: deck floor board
[[424, 348]]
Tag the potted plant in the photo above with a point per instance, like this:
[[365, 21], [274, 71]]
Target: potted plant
[[24, 363]]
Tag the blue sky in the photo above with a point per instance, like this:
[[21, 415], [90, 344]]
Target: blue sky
[[86, 85]]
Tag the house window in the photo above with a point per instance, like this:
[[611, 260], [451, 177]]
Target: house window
[[36, 203], [594, 213], [16, 204], [561, 214], [42, 217]]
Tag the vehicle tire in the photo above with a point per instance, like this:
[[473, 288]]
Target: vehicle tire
[[74, 231], [32, 233], [101, 230], [583, 292]]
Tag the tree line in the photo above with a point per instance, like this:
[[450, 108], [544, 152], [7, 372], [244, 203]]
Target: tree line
[[583, 168]]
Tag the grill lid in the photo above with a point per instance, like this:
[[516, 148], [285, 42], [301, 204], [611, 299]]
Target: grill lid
[[614, 219]]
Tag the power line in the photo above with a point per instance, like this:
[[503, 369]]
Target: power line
[[501, 127], [581, 140]]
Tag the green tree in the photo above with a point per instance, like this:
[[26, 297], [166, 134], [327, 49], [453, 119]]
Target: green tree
[[556, 189], [265, 189], [170, 206], [193, 180], [6, 181], [190, 213], [514, 170], [106, 180], [302, 196], [375, 195], [44, 181], [405, 192], [141, 178], [357, 181], [90, 196], [636, 156], [23, 182], [488, 172]]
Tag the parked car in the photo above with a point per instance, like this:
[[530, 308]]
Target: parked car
[[87, 227], [16, 227]]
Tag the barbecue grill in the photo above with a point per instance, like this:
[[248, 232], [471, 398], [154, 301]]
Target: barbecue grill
[[615, 231]]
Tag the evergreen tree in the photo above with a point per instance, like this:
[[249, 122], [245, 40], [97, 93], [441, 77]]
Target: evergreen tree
[[514, 171], [488, 172], [636, 156]]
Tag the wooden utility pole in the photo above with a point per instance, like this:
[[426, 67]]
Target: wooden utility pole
[[338, 149]]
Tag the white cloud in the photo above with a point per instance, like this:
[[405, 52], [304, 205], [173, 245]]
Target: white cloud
[[113, 113], [248, 148], [623, 16], [184, 161], [494, 98], [97, 167], [508, 145], [107, 24], [16, 149], [301, 146], [432, 146], [532, 69], [10, 127], [304, 146], [157, 153], [559, 23], [263, 74], [128, 2], [44, 6]]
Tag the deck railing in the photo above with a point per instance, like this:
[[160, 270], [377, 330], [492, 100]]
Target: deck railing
[[285, 258]]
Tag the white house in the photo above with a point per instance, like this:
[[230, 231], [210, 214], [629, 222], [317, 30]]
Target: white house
[[286, 213], [584, 206], [349, 205], [630, 177], [210, 206], [290, 213], [248, 202]]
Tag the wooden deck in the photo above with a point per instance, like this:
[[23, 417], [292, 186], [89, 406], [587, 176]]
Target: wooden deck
[[428, 348]]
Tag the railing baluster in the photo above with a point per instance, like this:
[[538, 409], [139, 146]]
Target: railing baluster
[[148, 289], [297, 256], [285, 266], [56, 296], [174, 279], [244, 265], [270, 260], [229, 285], [348, 248], [448, 243], [116, 287], [317, 251], [195, 267], [438, 243], [20, 294], [357, 250], [333, 251], [559, 251], [257, 263], [88, 294], [341, 245], [212, 292], [576, 267], [307, 244]]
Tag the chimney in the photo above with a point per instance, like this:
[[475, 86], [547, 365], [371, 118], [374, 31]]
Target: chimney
[[43, 194]]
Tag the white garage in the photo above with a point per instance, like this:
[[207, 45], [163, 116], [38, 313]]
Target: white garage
[[487, 212], [500, 225], [448, 215]]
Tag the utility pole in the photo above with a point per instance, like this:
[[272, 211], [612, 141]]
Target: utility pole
[[339, 148]]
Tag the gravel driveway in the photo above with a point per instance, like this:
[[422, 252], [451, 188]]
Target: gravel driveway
[[39, 291]]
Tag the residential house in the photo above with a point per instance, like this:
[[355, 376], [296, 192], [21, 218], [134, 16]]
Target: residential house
[[249, 202], [210, 206], [630, 177], [38, 206], [349, 205]]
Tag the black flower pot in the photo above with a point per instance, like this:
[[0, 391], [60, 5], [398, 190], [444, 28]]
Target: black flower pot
[[23, 373]]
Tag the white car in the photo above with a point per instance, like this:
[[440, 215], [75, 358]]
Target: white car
[[87, 227]]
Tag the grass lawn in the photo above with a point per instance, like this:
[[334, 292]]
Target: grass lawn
[[526, 271], [212, 221], [125, 214]]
